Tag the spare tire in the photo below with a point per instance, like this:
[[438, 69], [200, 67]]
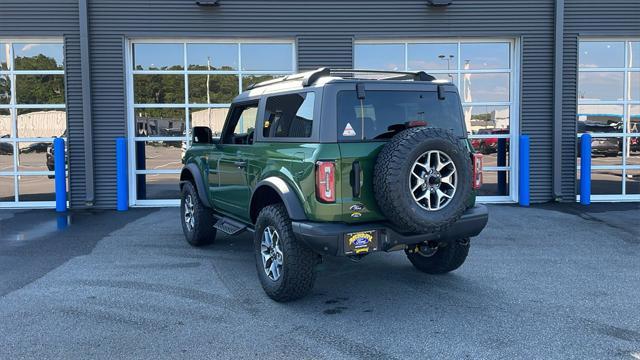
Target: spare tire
[[423, 179]]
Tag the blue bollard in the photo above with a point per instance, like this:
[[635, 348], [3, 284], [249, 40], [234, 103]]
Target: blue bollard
[[122, 188], [59, 169], [585, 169], [502, 161], [523, 173]]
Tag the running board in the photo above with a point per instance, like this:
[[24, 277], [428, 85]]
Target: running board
[[229, 226]]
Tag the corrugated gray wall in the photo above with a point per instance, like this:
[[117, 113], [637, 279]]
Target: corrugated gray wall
[[324, 31], [587, 18], [19, 19]]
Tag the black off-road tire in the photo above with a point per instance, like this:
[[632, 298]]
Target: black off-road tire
[[202, 232], [298, 276], [392, 179], [446, 258]]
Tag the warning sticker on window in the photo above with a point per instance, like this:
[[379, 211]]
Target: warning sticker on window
[[348, 130]]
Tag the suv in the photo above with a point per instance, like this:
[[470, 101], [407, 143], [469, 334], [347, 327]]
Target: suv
[[316, 164]]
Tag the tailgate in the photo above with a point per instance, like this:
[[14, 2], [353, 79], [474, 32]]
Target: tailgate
[[353, 155]]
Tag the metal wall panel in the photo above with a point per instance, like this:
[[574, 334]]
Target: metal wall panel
[[324, 31], [587, 18], [36, 19]]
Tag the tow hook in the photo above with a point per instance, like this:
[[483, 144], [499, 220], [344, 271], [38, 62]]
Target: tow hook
[[427, 249], [356, 258]]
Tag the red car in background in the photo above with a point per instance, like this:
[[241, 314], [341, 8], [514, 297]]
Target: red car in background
[[488, 145]]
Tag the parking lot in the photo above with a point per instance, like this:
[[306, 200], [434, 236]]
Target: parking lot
[[552, 281]]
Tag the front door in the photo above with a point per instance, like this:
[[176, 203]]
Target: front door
[[232, 158]]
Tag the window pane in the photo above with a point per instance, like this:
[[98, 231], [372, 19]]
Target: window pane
[[483, 119], [432, 56], [604, 150], [32, 156], [158, 56], [485, 56], [633, 150], [40, 89], [268, 57], [599, 54], [158, 89], [600, 86], [452, 78], [634, 119], [160, 122], [495, 151], [599, 119], [5, 123], [289, 115], [42, 123], [38, 56], [36, 188], [5, 89], [212, 118], [633, 182], [634, 85], [159, 155], [486, 87], [7, 188], [254, 79], [494, 183], [158, 186], [222, 89], [634, 54], [379, 56], [212, 56], [4, 56], [604, 182], [6, 156]]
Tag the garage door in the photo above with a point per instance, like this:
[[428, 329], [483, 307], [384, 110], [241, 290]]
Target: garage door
[[485, 72], [175, 85]]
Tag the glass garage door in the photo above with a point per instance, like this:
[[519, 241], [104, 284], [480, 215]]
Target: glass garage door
[[175, 85], [32, 114], [609, 109], [484, 71]]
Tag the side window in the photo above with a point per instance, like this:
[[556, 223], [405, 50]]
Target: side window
[[289, 115], [244, 118]]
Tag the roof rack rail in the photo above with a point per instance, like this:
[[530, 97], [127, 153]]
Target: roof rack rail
[[310, 77], [399, 75]]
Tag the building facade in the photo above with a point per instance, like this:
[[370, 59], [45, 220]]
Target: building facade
[[91, 71]]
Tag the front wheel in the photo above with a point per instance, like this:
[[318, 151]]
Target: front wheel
[[285, 266], [441, 258], [197, 219]]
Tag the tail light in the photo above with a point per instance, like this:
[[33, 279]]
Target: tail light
[[326, 181], [477, 171]]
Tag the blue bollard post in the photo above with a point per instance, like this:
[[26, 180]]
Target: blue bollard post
[[121, 175], [59, 168], [523, 173], [585, 169]]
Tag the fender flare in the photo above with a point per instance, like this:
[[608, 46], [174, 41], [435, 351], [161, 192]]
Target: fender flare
[[288, 196], [197, 176]]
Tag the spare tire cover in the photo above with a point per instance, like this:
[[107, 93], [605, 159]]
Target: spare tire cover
[[423, 179]]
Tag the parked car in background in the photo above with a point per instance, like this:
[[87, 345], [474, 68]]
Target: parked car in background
[[488, 145], [50, 157], [5, 148], [606, 146]]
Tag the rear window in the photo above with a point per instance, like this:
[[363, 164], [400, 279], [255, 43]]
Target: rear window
[[383, 113], [289, 115]]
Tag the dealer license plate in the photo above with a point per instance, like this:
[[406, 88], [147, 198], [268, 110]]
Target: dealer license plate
[[360, 242]]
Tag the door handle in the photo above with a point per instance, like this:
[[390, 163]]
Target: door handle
[[240, 164]]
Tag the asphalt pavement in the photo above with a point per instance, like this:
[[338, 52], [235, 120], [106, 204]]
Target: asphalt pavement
[[551, 281]]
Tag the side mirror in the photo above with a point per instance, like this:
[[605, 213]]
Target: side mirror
[[201, 135]]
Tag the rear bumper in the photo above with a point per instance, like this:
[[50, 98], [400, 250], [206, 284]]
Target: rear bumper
[[328, 238]]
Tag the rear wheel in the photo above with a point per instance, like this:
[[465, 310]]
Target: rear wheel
[[285, 266], [439, 258], [197, 219]]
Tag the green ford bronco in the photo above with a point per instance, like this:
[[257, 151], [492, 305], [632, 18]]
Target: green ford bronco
[[340, 163]]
